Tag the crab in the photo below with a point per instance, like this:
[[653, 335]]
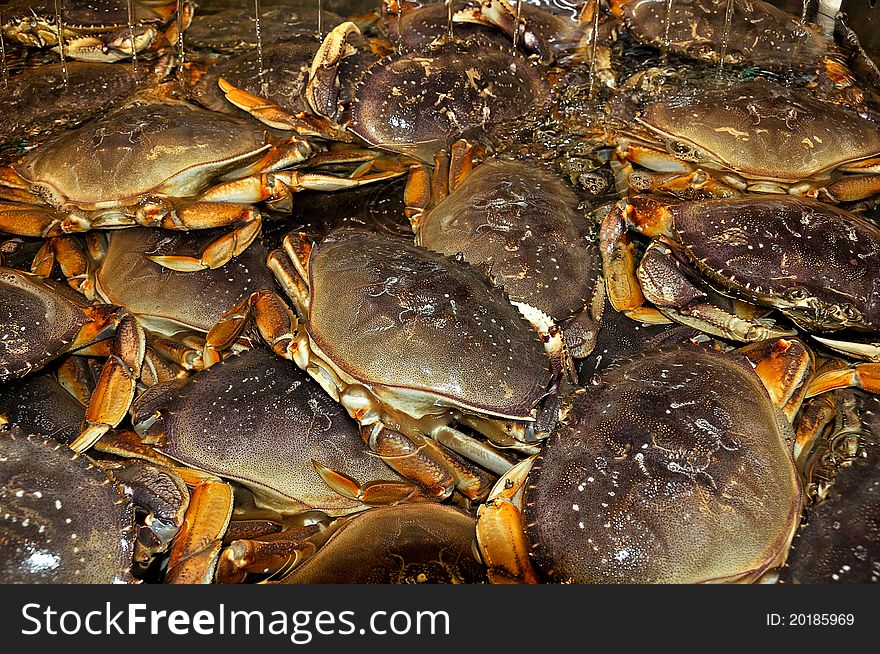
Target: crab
[[42, 320], [713, 142], [675, 468], [838, 540], [756, 34], [472, 88], [42, 404], [30, 105], [231, 30], [462, 352], [94, 30], [813, 262], [57, 189], [176, 309], [64, 520], [523, 225], [405, 544], [264, 424]]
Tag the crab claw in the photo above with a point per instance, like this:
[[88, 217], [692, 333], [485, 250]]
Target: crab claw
[[322, 90]]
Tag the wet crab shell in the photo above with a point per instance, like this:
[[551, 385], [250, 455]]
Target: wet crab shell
[[39, 404], [82, 17], [38, 318], [674, 470], [839, 541], [817, 262], [733, 128], [421, 102], [395, 315], [521, 222], [285, 68], [29, 102], [63, 519], [260, 420], [169, 301], [758, 33], [406, 544], [116, 159]]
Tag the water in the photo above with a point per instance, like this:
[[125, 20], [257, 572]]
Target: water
[[449, 18], [320, 20], [134, 57], [181, 53], [594, 44], [5, 68], [804, 10], [60, 40], [517, 25], [262, 70], [667, 21], [725, 35]]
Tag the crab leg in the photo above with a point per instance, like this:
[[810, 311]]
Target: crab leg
[[864, 375], [784, 366], [196, 549], [218, 252], [115, 390], [500, 529], [866, 351], [24, 220], [374, 493]]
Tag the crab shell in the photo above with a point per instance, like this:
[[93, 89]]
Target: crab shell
[[521, 222], [232, 30], [733, 128], [838, 542], [284, 73], [63, 519], [427, 331], [39, 318], [758, 32], [38, 404], [169, 301], [815, 262], [406, 544], [261, 421], [29, 102], [674, 470], [418, 103], [164, 149]]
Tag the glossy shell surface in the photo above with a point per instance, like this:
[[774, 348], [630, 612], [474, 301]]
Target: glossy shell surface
[[418, 103], [62, 520], [840, 539], [170, 299], [37, 321], [260, 420], [405, 544], [736, 127], [673, 470], [116, 158], [774, 249], [397, 315], [520, 223]]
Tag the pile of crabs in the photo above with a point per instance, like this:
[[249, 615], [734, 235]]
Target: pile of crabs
[[425, 293]]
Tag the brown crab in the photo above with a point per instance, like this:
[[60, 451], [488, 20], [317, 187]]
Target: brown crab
[[408, 544], [675, 468], [472, 88], [523, 225], [813, 262], [714, 141], [756, 34], [82, 182], [93, 30], [462, 351], [838, 541]]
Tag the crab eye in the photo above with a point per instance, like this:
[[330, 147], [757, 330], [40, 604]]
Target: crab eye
[[684, 151], [796, 294]]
